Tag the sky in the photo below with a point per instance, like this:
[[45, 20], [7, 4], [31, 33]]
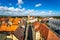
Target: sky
[[30, 7]]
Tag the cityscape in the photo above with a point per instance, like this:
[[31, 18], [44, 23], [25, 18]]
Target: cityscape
[[29, 19]]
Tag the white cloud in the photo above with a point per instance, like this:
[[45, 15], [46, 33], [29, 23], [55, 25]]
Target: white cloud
[[37, 5], [22, 12], [11, 11], [43, 12], [19, 3], [46, 12], [50, 12], [30, 11]]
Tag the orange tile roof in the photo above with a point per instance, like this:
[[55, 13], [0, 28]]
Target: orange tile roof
[[16, 20], [52, 36], [4, 26], [2, 19], [45, 31]]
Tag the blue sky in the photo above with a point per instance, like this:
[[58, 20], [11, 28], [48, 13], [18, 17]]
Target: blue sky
[[34, 7]]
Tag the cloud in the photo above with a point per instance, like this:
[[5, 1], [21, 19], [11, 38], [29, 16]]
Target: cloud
[[19, 3], [46, 12], [22, 12], [50, 12], [11, 11], [37, 5], [43, 12]]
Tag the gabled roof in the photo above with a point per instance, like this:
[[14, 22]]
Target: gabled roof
[[44, 30], [19, 33]]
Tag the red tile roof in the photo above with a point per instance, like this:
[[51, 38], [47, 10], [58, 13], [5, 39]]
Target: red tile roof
[[19, 33]]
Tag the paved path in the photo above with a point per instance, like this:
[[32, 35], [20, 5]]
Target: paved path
[[30, 35]]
